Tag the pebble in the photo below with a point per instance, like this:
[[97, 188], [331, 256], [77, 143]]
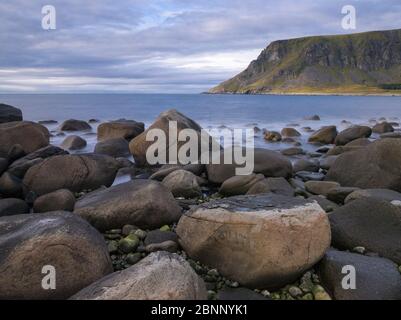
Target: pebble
[[133, 258], [165, 228], [129, 243], [360, 250], [295, 291], [320, 294], [140, 234]]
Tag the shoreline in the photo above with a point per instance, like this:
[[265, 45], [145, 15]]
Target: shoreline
[[311, 94]]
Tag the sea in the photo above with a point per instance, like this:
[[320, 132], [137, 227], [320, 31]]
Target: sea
[[270, 112]]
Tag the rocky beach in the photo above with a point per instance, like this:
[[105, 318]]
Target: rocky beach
[[320, 198]]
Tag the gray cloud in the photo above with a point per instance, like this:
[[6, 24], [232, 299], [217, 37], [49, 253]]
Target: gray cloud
[[159, 45]]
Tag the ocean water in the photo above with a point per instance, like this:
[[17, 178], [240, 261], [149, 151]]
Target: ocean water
[[210, 111]]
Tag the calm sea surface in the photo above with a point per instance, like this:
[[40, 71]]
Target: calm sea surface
[[234, 111]]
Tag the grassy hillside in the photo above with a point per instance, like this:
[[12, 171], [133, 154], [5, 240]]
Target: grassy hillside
[[364, 63]]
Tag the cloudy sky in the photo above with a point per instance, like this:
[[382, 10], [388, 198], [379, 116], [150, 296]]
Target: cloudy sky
[[166, 46]]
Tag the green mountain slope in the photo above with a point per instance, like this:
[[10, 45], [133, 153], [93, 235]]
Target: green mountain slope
[[360, 63]]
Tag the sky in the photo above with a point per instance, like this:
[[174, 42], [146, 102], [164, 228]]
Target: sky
[[159, 46]]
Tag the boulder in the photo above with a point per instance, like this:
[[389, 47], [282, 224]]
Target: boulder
[[290, 132], [267, 162], [327, 205], [28, 243], [139, 146], [126, 129], [361, 142], [9, 113], [73, 172], [20, 167], [182, 183], [16, 152], [10, 185], [144, 203], [370, 223], [73, 143], [278, 186], [313, 118], [3, 165], [158, 236], [380, 194], [292, 151], [325, 135], [375, 278], [306, 165], [377, 165], [383, 127], [60, 200], [272, 136], [351, 134], [75, 125], [320, 187], [12, 206], [160, 276], [165, 170], [240, 185], [29, 135], [117, 147], [339, 194], [327, 161], [253, 232]]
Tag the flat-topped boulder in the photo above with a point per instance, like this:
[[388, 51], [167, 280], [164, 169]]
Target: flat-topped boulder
[[261, 241], [73, 172], [30, 242], [126, 129], [9, 113], [29, 136], [146, 204], [377, 165], [160, 276]]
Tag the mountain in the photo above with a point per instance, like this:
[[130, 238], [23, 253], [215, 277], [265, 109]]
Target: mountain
[[363, 63]]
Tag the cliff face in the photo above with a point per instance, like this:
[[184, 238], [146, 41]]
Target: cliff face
[[359, 63]]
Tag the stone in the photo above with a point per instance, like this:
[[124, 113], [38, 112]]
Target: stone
[[10, 186], [376, 278], [125, 129], [3, 165], [182, 183], [306, 165], [139, 146], [60, 200], [133, 258], [320, 187], [144, 203], [325, 135], [292, 151], [339, 194], [117, 147], [232, 294], [280, 186], [383, 127], [327, 205], [377, 165], [310, 176], [253, 231], [267, 162], [240, 185], [29, 135], [15, 152], [73, 143], [63, 240], [351, 134], [272, 136], [371, 223], [73, 172], [9, 113], [327, 161], [169, 246], [290, 132], [361, 142], [129, 244], [380, 194], [158, 236], [159, 276], [313, 118], [13, 206], [75, 125]]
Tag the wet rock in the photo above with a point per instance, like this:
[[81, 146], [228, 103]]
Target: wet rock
[[351, 134], [117, 147], [125, 129], [313, 118], [310, 176], [252, 231], [9, 113], [361, 142], [73, 143], [320, 187], [272, 136], [325, 135], [327, 162], [339, 194], [160, 276], [12, 206], [327, 205], [60, 200], [77, 252], [379, 194], [10, 186], [306, 165], [75, 125], [240, 185], [292, 151], [383, 127], [182, 183], [375, 278], [290, 132]]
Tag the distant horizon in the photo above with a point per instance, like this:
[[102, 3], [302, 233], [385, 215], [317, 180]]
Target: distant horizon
[[159, 47]]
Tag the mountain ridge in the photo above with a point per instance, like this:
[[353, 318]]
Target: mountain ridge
[[360, 63]]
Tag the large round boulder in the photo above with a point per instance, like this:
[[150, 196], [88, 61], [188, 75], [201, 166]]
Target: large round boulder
[[13, 206], [182, 183], [74, 143], [370, 223], [75, 125], [144, 203], [267, 162], [351, 134], [377, 165], [263, 241], [116, 147], [383, 127], [60, 200], [59, 244], [325, 135], [126, 129], [160, 276], [73, 172], [9, 113], [139, 145], [29, 135]]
